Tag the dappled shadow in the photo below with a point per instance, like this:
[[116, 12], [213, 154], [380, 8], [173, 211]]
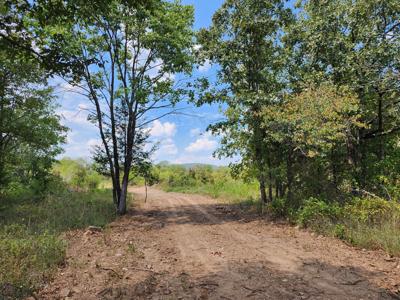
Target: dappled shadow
[[256, 280], [181, 211], [199, 214]]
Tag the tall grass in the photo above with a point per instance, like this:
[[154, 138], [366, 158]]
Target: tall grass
[[370, 223], [232, 190], [206, 180], [30, 244]]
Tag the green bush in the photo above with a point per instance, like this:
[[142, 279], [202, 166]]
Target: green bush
[[368, 223], [278, 208], [78, 174], [340, 231], [371, 210], [318, 214]]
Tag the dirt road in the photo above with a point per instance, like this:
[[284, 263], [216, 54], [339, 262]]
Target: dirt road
[[179, 246]]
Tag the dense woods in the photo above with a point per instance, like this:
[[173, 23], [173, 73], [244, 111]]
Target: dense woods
[[310, 95]]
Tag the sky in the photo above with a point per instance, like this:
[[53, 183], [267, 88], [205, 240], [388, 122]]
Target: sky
[[180, 138]]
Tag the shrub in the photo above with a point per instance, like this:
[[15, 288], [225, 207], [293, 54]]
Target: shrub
[[318, 214], [371, 210], [278, 208]]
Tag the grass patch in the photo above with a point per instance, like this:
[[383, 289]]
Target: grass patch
[[30, 243], [366, 223]]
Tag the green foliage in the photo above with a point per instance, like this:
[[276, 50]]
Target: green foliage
[[315, 120], [371, 210], [365, 222], [30, 228], [26, 259], [31, 132], [317, 214], [206, 180], [245, 40], [280, 208], [79, 174]]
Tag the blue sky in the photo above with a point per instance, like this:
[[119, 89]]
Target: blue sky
[[181, 139]]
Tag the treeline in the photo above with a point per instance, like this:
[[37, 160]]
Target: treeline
[[366, 222], [312, 95], [30, 132], [311, 90], [209, 180]]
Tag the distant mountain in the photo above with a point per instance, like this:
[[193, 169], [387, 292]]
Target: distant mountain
[[193, 165], [188, 165]]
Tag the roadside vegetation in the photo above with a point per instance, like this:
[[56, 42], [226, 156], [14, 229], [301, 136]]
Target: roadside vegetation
[[309, 94], [32, 245], [213, 181], [366, 222]]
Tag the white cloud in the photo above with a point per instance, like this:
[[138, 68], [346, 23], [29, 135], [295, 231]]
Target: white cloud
[[83, 106], [167, 147], [77, 117], [195, 132], [202, 159], [205, 66], [163, 130], [203, 143], [93, 143], [163, 133]]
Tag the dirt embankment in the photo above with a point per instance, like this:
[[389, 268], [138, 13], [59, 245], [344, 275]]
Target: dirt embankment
[[179, 246]]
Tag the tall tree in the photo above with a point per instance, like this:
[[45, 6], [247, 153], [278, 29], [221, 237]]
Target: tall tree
[[245, 41], [356, 44], [129, 56], [30, 132]]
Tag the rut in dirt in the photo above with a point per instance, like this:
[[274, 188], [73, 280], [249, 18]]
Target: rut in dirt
[[178, 246]]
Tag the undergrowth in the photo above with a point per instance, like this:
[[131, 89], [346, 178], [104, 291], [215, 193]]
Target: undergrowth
[[30, 244], [370, 223]]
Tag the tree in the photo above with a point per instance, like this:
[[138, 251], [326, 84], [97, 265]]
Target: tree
[[129, 54], [355, 44], [38, 29], [245, 40], [309, 126], [30, 132]]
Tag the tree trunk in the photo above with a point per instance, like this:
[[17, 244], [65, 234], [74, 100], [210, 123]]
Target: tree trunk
[[381, 154], [122, 199], [289, 175], [270, 196], [263, 194]]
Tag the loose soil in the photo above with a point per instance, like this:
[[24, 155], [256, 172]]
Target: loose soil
[[179, 246]]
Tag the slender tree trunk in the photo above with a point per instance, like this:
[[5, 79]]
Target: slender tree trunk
[[122, 199], [270, 196], [263, 194], [289, 174], [381, 153]]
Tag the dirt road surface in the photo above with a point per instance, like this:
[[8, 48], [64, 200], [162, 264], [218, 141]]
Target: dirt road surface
[[179, 246]]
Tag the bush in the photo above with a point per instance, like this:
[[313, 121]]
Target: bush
[[278, 208], [368, 223], [78, 174], [318, 214], [371, 210]]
